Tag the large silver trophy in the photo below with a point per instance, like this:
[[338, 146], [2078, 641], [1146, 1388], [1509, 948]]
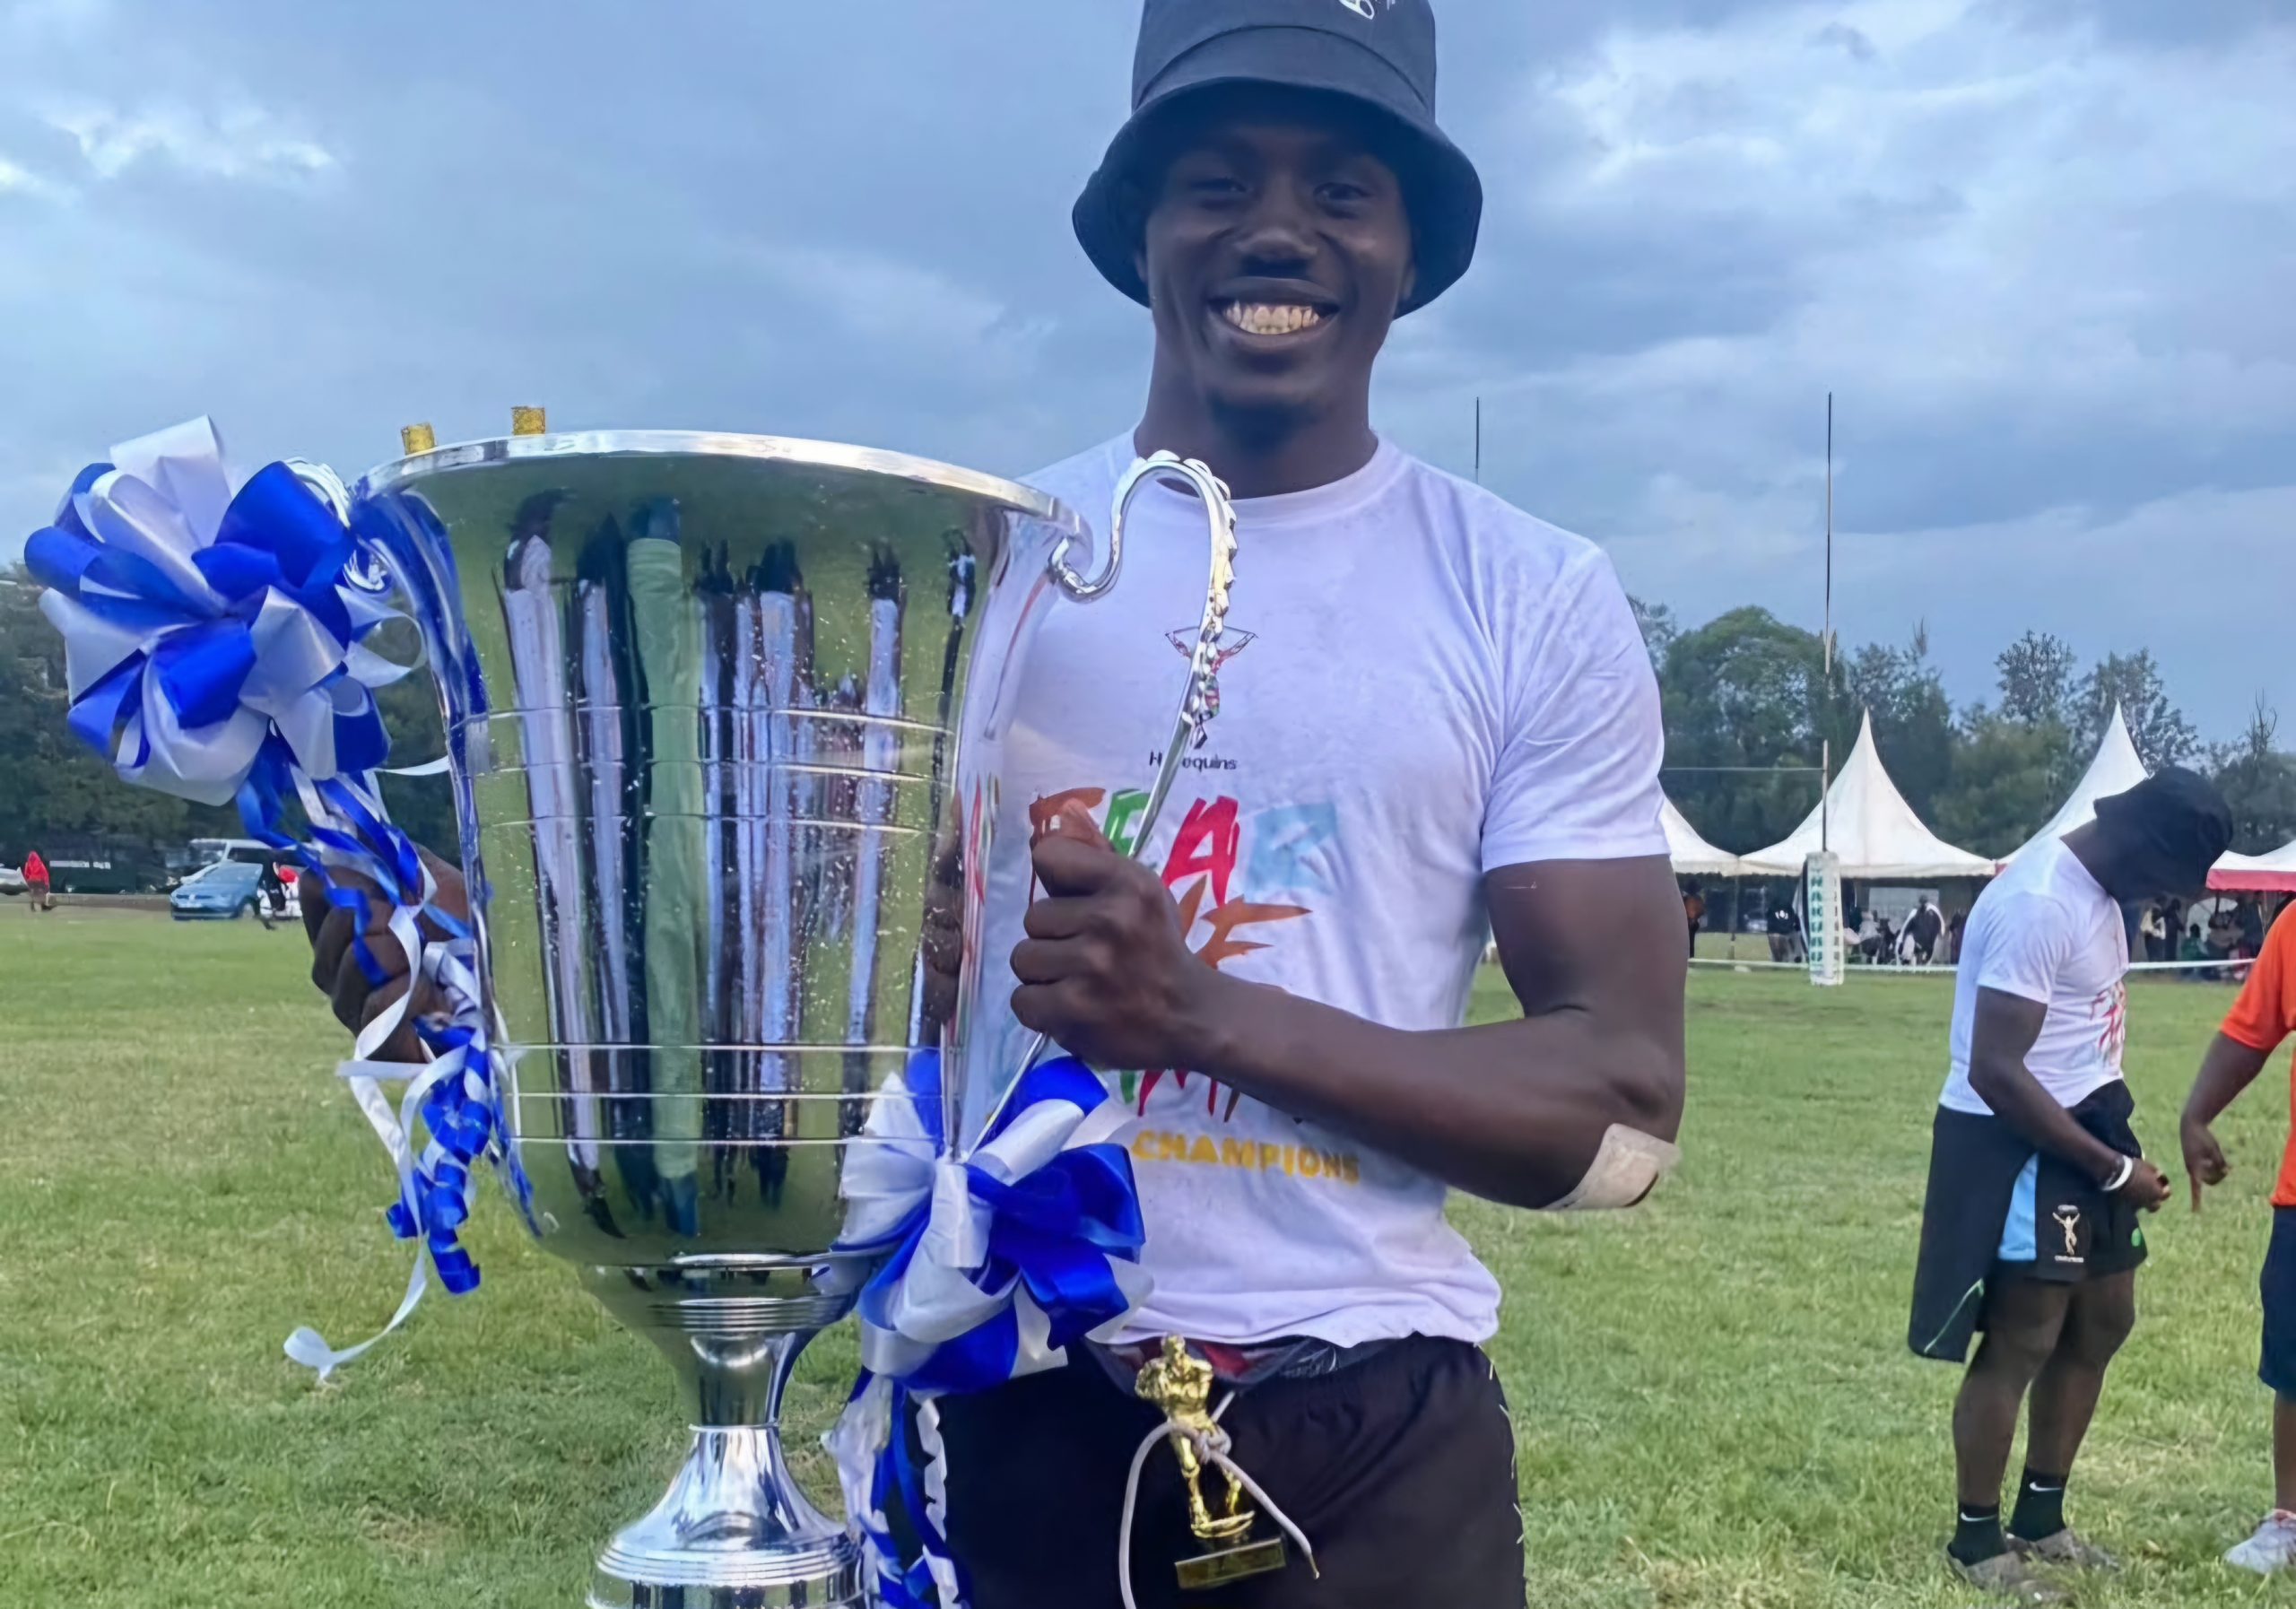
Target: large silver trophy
[[723, 718]]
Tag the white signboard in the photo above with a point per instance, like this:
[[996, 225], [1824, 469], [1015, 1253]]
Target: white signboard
[[1821, 908]]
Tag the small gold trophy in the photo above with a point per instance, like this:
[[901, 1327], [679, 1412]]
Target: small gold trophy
[[1180, 1384]]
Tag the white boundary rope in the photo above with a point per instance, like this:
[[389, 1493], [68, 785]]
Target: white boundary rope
[[1863, 970]]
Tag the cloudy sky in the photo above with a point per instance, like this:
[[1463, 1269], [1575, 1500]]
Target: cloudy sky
[[2041, 249]]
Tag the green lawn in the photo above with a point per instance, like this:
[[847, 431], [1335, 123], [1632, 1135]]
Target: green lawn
[[1713, 1398]]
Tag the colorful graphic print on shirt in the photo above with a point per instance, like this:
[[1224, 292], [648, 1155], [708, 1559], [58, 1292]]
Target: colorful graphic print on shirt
[[1237, 878]]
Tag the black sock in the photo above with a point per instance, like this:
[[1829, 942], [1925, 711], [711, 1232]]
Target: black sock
[[1977, 1534], [2040, 1506]]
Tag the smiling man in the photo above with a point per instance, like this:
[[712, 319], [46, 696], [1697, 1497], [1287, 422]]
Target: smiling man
[[1437, 720], [1440, 724]]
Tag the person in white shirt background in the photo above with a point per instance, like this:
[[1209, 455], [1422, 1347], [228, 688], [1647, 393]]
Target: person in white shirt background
[[2030, 1234]]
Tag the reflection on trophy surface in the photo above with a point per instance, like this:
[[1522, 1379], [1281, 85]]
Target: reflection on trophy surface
[[721, 711]]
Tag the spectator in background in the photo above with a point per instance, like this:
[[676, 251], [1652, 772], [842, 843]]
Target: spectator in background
[[271, 894], [2156, 933], [1786, 935], [1922, 927], [2028, 1233], [2248, 916], [2192, 953], [1693, 912], [36, 882], [1953, 937]]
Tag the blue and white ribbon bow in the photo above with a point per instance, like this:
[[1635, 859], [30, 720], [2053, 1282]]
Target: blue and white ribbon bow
[[999, 1262], [214, 645]]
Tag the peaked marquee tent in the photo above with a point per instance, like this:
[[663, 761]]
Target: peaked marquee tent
[[2273, 874], [1871, 827], [2116, 768], [1693, 855]]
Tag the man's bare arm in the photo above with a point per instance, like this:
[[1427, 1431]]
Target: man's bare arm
[[1514, 1111], [2006, 1027]]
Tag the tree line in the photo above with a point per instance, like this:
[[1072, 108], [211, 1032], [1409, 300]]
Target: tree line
[[56, 792], [1748, 698]]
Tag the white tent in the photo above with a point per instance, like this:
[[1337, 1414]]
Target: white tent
[[2273, 874], [1693, 855], [2116, 768], [1871, 827]]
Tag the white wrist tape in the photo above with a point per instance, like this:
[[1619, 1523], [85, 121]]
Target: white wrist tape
[[1627, 1167]]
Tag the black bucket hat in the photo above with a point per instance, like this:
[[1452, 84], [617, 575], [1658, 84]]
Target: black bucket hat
[[1378, 53], [2176, 815]]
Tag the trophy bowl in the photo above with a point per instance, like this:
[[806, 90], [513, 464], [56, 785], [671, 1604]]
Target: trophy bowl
[[720, 751]]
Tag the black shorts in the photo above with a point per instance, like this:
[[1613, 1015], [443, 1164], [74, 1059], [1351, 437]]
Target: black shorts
[[1996, 1208], [2278, 1285], [2061, 1227], [1399, 1468]]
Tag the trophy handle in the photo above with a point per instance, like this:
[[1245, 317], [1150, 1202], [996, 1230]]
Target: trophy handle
[[1200, 699]]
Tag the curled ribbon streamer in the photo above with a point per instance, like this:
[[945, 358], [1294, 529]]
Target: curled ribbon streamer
[[996, 1264], [214, 647]]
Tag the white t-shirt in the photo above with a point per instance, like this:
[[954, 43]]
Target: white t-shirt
[[2046, 931], [1420, 684]]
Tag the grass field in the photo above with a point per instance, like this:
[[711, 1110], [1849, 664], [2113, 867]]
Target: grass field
[[1712, 1397]]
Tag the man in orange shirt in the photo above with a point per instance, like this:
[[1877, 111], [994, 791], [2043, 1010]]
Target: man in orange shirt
[[2264, 1015]]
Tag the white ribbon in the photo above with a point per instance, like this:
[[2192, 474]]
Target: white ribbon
[[127, 583], [938, 1298], [162, 502]]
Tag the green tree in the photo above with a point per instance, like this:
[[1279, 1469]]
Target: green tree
[[2004, 785], [54, 788], [1913, 719], [1658, 628], [2258, 781], [1744, 695], [2036, 672], [2159, 729]]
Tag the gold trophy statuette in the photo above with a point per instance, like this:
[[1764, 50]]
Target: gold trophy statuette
[[1180, 1385]]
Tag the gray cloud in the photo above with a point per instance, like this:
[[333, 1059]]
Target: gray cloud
[[2039, 247]]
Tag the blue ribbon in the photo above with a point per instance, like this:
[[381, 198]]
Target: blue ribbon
[[995, 1265], [214, 639]]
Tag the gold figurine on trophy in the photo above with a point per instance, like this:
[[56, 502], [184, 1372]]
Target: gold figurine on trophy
[[1180, 1383]]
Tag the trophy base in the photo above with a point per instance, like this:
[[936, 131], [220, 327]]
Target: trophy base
[[734, 1533], [1238, 1563]]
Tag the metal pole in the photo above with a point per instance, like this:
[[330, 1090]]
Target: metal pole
[[1825, 746]]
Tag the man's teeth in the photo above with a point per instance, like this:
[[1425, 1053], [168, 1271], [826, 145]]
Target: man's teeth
[[1261, 318]]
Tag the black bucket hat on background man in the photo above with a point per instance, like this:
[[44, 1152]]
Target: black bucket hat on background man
[[2176, 815], [1378, 53]]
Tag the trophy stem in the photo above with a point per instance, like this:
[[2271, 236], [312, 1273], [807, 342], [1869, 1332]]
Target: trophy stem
[[733, 1531]]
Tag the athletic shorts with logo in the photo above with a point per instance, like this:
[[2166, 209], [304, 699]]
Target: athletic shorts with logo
[[1994, 1204]]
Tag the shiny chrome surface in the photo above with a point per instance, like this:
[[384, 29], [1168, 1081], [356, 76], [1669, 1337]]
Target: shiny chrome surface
[[1200, 695], [724, 766]]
